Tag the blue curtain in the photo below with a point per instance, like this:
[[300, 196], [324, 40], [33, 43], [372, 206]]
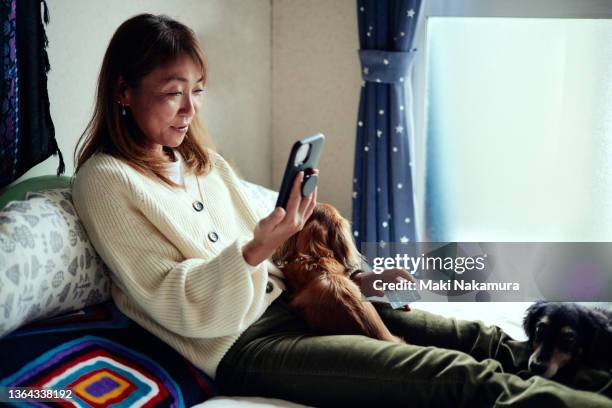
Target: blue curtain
[[383, 204]]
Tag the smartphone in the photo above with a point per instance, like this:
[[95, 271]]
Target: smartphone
[[304, 156]]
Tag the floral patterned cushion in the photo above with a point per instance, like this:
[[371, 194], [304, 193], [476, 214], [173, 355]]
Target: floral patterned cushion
[[47, 264]]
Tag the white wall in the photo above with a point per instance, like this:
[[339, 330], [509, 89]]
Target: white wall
[[279, 70], [236, 36], [316, 85]]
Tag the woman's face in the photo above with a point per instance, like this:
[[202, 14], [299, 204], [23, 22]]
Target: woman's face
[[165, 102]]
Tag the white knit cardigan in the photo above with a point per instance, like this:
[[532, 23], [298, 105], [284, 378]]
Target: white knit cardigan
[[168, 272]]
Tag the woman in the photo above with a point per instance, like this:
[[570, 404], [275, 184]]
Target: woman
[[188, 255]]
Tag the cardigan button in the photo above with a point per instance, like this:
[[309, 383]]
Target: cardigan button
[[198, 206], [269, 287], [213, 236]]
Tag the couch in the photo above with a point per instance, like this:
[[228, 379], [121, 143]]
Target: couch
[[59, 327]]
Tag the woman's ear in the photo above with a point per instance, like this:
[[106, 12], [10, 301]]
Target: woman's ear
[[123, 93]]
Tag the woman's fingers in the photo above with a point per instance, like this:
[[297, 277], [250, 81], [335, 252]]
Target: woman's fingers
[[311, 206], [307, 212], [407, 276], [307, 206], [295, 197], [398, 275], [275, 218], [300, 208], [307, 202], [293, 221]]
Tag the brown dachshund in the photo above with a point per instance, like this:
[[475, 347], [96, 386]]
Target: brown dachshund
[[316, 263]]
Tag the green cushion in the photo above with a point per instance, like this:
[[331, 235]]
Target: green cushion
[[19, 190]]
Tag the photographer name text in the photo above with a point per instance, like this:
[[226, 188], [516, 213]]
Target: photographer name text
[[446, 285]]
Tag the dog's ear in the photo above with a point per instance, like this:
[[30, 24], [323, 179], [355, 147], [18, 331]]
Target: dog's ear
[[338, 243], [341, 242], [596, 334], [310, 242], [594, 323], [533, 314]]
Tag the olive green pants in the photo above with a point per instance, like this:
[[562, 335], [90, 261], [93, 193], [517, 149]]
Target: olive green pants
[[447, 363]]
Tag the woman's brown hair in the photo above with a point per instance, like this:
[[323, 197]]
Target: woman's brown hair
[[141, 44]]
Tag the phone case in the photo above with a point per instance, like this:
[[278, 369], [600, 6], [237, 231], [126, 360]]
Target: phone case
[[311, 162]]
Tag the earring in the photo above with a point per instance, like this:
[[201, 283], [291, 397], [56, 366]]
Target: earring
[[122, 108]]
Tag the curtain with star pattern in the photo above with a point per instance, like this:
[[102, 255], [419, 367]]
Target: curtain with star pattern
[[383, 204]]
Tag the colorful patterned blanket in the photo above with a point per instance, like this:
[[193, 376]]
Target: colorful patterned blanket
[[104, 358]]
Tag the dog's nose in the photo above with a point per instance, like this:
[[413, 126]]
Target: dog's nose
[[537, 367]]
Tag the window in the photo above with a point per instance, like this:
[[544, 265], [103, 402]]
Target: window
[[514, 110]]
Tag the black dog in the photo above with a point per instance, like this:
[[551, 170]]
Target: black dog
[[566, 334]]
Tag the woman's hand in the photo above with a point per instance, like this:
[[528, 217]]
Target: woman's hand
[[272, 231], [366, 280]]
